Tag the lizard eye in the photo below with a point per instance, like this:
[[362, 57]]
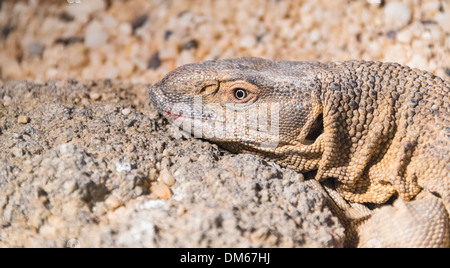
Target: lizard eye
[[240, 93]]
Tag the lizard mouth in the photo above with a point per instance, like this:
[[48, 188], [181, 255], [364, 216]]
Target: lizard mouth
[[171, 115]]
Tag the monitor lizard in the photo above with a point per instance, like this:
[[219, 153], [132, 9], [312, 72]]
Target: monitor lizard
[[379, 131]]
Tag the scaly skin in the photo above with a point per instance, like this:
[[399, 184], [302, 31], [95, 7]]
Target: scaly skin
[[385, 130]]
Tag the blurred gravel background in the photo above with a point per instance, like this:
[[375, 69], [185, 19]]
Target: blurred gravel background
[[139, 41]]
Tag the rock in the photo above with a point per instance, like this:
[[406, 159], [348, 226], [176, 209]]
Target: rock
[[166, 177], [126, 111], [161, 190], [94, 96], [7, 100], [6, 30], [36, 49], [405, 36], [111, 72], [168, 52], [418, 61], [139, 22], [126, 68], [248, 42], [10, 67], [66, 17], [123, 167], [22, 119], [191, 44], [17, 152], [397, 15], [82, 11], [95, 35], [155, 61]]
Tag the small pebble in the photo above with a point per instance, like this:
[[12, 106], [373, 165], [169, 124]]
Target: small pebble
[[112, 203], [94, 96], [405, 36], [69, 186], [126, 111], [167, 177], [67, 41], [139, 22], [161, 190], [66, 17], [165, 162], [138, 190], [397, 14], [36, 49], [23, 119], [167, 34], [155, 61], [123, 167], [166, 153], [248, 42], [191, 44], [95, 35], [6, 31], [153, 174], [7, 100], [17, 152]]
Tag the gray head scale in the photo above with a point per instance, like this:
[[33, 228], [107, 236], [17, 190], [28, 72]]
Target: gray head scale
[[245, 104]]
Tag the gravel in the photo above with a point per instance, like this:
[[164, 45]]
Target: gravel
[[82, 173], [140, 41]]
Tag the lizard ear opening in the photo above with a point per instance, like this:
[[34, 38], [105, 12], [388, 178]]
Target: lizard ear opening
[[316, 130]]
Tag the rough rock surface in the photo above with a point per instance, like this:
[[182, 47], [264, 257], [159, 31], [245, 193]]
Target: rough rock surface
[[88, 169]]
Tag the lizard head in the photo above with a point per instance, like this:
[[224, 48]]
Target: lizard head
[[250, 105]]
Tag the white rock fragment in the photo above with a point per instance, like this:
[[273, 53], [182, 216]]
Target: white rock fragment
[[81, 11], [125, 29], [418, 61], [168, 52], [111, 72], [94, 96], [397, 15], [17, 152], [7, 100], [166, 177], [95, 35], [125, 68], [152, 204], [248, 42], [69, 186], [126, 111], [123, 167], [405, 36], [112, 203]]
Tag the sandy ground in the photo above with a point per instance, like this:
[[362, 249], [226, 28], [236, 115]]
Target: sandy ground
[[93, 165], [86, 161], [139, 41]]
